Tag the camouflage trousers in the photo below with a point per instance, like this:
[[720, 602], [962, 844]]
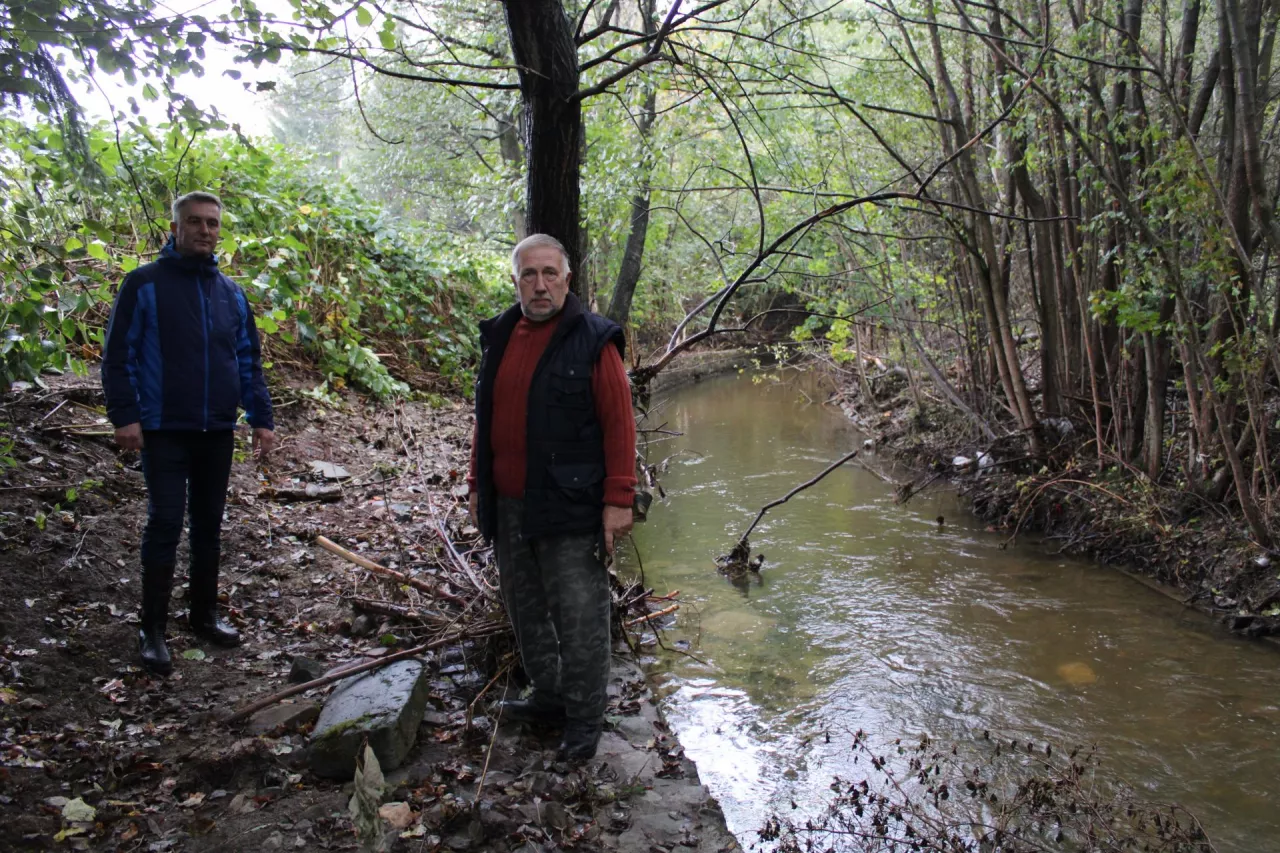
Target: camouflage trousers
[[557, 596]]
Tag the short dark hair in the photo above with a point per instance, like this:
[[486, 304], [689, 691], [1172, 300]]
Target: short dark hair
[[183, 200]]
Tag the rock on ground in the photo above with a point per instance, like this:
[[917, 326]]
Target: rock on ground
[[384, 705]]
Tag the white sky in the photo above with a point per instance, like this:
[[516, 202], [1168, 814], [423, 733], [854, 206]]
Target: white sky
[[248, 108]]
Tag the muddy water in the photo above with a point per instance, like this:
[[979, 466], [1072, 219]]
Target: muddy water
[[870, 615]]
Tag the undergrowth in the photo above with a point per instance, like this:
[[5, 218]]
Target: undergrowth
[[326, 271]]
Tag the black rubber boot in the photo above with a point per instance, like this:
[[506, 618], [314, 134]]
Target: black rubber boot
[[580, 740], [533, 710], [157, 585], [203, 616]]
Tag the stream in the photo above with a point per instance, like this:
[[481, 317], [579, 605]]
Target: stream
[[870, 615]]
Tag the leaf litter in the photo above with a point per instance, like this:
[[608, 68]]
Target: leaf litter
[[140, 763]]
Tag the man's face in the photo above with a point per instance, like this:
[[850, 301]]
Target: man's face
[[196, 231], [542, 282]]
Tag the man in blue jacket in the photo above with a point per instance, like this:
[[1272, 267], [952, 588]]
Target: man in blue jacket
[[181, 353]]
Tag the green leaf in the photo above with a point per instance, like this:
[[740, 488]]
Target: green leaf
[[364, 17], [194, 654], [72, 244], [97, 249], [388, 39]]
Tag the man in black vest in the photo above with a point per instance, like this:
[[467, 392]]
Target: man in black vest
[[552, 483]]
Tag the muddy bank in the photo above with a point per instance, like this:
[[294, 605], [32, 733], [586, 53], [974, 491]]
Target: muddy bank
[[691, 368], [95, 754], [1196, 549]]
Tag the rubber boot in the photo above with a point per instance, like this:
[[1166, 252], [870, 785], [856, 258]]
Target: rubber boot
[[533, 710], [157, 586], [581, 737], [203, 617]]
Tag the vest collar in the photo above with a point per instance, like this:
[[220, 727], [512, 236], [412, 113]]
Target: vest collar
[[505, 323]]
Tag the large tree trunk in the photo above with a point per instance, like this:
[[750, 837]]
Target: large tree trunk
[[544, 51]]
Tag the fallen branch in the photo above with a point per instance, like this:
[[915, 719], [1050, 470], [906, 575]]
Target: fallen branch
[[438, 528], [336, 675], [370, 565], [654, 615], [311, 492], [789, 495], [384, 608]]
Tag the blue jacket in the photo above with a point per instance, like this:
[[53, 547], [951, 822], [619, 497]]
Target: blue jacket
[[182, 350]]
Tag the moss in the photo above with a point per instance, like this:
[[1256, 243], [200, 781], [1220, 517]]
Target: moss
[[340, 728]]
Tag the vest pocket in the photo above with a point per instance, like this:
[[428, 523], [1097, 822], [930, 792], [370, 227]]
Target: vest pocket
[[569, 390], [578, 481]]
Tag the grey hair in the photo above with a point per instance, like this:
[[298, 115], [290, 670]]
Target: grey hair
[[534, 241], [198, 196]]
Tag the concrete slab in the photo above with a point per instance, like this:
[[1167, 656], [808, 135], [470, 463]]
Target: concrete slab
[[384, 705]]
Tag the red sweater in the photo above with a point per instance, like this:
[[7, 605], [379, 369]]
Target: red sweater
[[612, 394]]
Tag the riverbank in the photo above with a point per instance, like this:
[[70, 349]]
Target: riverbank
[[95, 754], [1078, 505]]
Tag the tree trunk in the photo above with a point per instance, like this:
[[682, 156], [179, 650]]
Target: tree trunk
[[509, 146], [624, 287], [989, 264], [544, 51]]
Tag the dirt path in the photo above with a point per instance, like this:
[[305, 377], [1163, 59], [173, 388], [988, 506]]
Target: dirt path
[[81, 723]]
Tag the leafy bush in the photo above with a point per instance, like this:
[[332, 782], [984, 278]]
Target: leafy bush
[[325, 270]]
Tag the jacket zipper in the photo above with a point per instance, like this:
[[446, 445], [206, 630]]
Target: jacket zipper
[[205, 311]]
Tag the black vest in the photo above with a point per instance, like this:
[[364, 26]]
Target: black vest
[[564, 458]]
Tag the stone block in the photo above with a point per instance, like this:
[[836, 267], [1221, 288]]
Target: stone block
[[305, 669], [384, 705], [283, 718]]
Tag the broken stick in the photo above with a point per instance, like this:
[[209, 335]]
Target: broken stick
[[654, 615], [370, 565], [789, 495]]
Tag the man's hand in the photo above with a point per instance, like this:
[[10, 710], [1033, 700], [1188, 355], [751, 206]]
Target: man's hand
[[263, 440], [617, 523], [473, 507], [129, 437]]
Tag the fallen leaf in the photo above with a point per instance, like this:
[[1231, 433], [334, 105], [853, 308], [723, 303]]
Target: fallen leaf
[[399, 815], [194, 654], [192, 801], [78, 811], [329, 471], [130, 832]]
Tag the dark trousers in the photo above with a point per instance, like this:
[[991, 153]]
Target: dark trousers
[[185, 470], [557, 596]]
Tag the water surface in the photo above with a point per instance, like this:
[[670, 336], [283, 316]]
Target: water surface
[[872, 616]]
